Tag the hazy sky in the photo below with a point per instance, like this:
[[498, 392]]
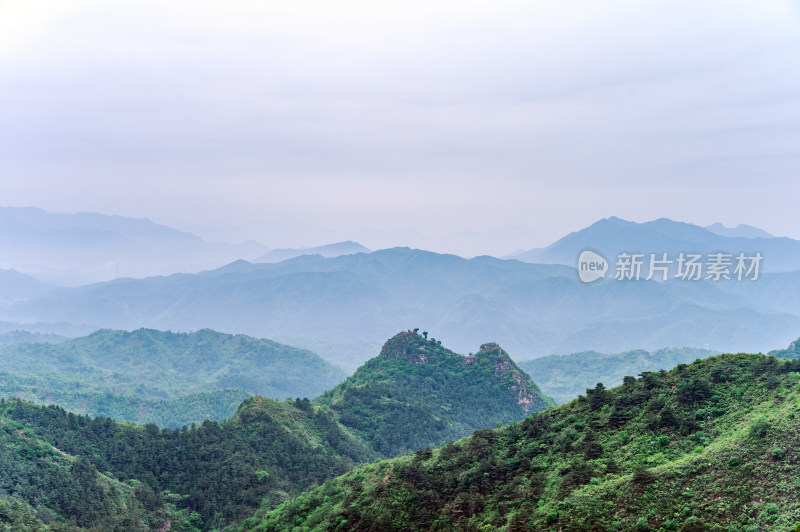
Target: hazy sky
[[505, 124]]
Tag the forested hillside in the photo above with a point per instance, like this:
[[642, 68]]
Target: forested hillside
[[170, 379], [418, 393], [708, 446], [415, 393], [44, 487], [564, 377], [220, 471], [791, 352]]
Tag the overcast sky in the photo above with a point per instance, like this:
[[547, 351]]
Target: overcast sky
[[460, 126]]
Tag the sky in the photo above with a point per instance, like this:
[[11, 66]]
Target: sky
[[458, 126]]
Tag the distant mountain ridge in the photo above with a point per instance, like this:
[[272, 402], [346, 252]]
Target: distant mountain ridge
[[28, 337], [791, 352], [329, 250], [141, 375], [344, 307], [611, 236], [565, 377], [741, 230], [77, 248], [16, 286]]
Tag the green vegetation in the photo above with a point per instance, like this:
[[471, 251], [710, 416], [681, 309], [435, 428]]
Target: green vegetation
[[565, 377], [167, 378], [171, 412], [791, 352], [27, 337], [220, 471], [418, 393], [44, 488], [711, 445]]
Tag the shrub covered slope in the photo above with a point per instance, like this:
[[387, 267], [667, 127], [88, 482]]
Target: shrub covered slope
[[708, 446]]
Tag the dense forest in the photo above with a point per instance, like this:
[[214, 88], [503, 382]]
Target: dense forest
[[44, 488], [222, 471], [170, 379], [712, 445], [414, 394], [565, 377], [418, 393]]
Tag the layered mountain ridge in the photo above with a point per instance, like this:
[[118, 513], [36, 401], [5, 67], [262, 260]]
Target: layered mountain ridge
[[214, 474], [707, 446]]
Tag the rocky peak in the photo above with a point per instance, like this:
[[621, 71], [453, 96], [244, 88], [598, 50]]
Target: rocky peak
[[408, 346]]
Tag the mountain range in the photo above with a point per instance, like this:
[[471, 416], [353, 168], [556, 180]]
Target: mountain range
[[414, 394], [150, 376], [79, 248], [612, 236], [342, 307], [565, 377], [328, 250], [707, 446], [741, 230], [16, 286]]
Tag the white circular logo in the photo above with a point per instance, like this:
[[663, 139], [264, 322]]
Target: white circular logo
[[591, 266]]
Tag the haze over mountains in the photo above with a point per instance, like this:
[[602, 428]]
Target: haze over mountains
[[415, 395], [86, 247], [328, 251], [741, 230], [611, 236], [342, 307], [149, 376]]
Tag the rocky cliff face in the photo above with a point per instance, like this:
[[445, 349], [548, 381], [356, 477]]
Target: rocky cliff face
[[528, 395], [413, 348]]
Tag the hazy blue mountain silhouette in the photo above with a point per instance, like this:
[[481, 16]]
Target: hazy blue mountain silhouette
[[344, 307], [15, 286], [741, 230], [611, 236], [85, 247], [329, 250]]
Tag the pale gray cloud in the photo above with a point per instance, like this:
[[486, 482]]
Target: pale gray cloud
[[301, 122]]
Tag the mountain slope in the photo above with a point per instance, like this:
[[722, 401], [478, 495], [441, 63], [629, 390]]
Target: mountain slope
[[88, 247], [345, 307], [27, 337], [222, 471], [328, 250], [269, 450], [38, 475], [15, 286], [565, 377], [741, 230], [417, 393], [708, 446], [155, 376], [791, 352], [610, 236]]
